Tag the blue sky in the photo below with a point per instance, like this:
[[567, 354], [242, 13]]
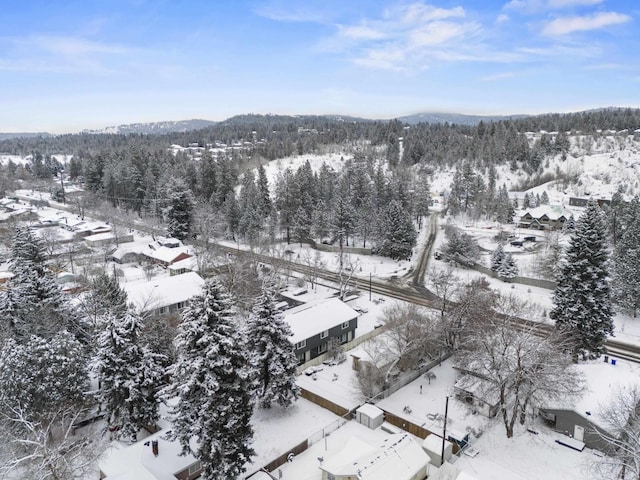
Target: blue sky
[[69, 65]]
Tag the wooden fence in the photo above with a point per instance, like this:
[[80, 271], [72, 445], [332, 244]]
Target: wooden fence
[[324, 403], [412, 428], [285, 457]]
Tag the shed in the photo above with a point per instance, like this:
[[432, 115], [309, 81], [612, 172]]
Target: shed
[[432, 445], [369, 416]]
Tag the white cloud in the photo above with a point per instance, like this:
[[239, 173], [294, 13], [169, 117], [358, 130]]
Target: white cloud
[[73, 47], [406, 37], [502, 18], [419, 12], [361, 32], [572, 3], [566, 25], [530, 6]]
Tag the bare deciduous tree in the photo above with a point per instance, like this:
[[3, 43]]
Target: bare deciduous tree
[[621, 432], [47, 450], [518, 367], [411, 337]]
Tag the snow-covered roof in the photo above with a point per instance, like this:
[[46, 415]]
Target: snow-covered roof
[[603, 381], [311, 319], [398, 456], [96, 237], [164, 291], [554, 212], [166, 254], [370, 411], [137, 461], [190, 263]]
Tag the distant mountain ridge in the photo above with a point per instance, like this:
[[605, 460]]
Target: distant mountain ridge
[[9, 135], [153, 128], [181, 126], [458, 118]]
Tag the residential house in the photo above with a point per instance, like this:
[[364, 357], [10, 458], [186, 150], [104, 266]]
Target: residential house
[[581, 418], [544, 218], [315, 325], [479, 393], [397, 456], [153, 458], [166, 256], [164, 295], [583, 202], [189, 264], [107, 238]]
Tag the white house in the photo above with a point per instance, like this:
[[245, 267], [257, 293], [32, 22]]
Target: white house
[[397, 457], [164, 295]]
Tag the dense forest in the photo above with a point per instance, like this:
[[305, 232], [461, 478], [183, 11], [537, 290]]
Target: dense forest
[[371, 201]]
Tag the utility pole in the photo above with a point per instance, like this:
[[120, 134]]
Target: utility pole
[[62, 184], [444, 430]]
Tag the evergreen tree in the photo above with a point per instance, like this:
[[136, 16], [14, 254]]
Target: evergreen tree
[[180, 211], [211, 386], [570, 224], [397, 233], [497, 257], [263, 192], [128, 374], [33, 302], [42, 375], [301, 225], [582, 299], [544, 198], [271, 354], [508, 267], [626, 267], [504, 207]]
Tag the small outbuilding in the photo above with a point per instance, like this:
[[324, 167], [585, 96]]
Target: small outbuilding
[[369, 416], [432, 446]]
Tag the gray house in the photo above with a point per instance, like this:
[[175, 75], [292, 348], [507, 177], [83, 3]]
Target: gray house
[[581, 418], [315, 325]]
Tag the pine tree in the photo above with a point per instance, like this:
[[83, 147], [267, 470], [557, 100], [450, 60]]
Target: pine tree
[[397, 233], [497, 257], [33, 302], [544, 198], [211, 386], [271, 354], [39, 376], [508, 267], [129, 375], [626, 267], [180, 211], [582, 299], [301, 225]]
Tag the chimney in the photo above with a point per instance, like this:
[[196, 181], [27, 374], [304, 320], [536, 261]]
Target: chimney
[[154, 447]]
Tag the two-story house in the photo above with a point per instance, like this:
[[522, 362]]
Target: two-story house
[[544, 218], [315, 325]]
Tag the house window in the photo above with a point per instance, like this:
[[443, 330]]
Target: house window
[[345, 325], [301, 344], [180, 305], [331, 476], [344, 338], [323, 347], [195, 468], [324, 334]]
